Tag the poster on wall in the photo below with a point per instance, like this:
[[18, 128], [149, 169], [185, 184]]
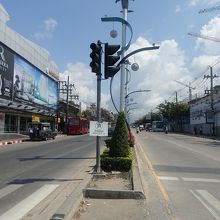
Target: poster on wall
[[6, 72], [33, 86]]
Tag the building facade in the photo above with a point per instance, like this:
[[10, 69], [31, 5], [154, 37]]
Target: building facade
[[205, 114], [28, 81]]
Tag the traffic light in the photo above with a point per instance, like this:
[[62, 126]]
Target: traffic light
[[110, 60], [96, 58]]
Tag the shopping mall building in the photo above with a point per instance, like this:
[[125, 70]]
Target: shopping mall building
[[28, 81]]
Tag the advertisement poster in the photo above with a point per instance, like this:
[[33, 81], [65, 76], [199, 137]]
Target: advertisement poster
[[6, 72], [33, 86]]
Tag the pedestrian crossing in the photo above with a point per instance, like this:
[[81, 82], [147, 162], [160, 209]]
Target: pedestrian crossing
[[24, 206], [208, 201], [189, 179], [204, 197]]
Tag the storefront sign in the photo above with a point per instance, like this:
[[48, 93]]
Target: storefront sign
[[35, 118]]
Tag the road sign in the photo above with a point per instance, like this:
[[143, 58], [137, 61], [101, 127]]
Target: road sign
[[98, 129]]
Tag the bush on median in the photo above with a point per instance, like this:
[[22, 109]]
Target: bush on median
[[109, 163]]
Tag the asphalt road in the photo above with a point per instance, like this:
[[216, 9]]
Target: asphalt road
[[31, 171], [187, 170]]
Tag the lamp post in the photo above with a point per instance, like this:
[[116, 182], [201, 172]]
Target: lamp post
[[136, 91], [124, 4]]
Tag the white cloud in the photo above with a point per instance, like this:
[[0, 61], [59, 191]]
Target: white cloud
[[178, 8], [212, 29], [157, 72], [49, 26], [204, 2], [85, 83]]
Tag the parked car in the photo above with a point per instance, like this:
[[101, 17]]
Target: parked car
[[41, 131]]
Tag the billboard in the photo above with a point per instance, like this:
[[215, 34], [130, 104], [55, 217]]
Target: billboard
[[6, 72], [33, 86]]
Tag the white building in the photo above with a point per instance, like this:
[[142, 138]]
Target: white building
[[202, 115], [28, 80]]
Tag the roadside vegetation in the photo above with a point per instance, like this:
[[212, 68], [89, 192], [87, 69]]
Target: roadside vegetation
[[118, 154]]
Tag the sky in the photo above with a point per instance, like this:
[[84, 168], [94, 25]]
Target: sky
[[67, 28]]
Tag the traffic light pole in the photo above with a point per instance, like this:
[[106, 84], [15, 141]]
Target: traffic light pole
[[98, 138], [98, 170]]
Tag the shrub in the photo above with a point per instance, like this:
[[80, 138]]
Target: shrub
[[119, 143], [107, 142], [109, 163]]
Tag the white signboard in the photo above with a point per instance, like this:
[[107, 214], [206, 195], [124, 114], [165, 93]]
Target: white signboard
[[98, 129]]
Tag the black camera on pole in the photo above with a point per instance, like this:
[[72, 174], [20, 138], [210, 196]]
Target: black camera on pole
[[110, 60], [96, 57]]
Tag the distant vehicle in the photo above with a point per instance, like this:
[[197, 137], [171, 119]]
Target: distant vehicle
[[77, 125], [148, 127], [157, 126], [141, 127], [41, 131]]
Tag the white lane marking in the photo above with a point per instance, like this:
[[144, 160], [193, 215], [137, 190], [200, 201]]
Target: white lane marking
[[201, 180], [23, 207], [208, 201], [168, 178], [9, 189], [210, 198], [188, 179]]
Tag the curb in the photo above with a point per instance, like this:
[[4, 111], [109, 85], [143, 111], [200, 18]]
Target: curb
[[112, 194], [136, 193], [11, 142], [17, 141]]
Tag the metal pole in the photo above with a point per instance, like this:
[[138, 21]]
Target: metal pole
[[99, 78], [212, 105], [122, 86], [67, 102]]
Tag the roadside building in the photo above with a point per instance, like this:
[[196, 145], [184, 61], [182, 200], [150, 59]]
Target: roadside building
[[28, 81], [205, 114]]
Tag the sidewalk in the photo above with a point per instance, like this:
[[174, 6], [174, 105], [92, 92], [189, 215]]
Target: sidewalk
[[12, 138], [15, 138]]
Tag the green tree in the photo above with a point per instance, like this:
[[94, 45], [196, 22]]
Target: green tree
[[119, 146], [173, 111]]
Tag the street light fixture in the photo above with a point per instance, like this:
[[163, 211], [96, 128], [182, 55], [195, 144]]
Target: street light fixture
[[136, 91], [141, 90]]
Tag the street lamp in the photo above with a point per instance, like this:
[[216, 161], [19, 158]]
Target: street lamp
[[141, 90], [136, 91]]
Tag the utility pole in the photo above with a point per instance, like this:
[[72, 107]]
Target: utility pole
[[190, 88], [211, 92], [66, 88]]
